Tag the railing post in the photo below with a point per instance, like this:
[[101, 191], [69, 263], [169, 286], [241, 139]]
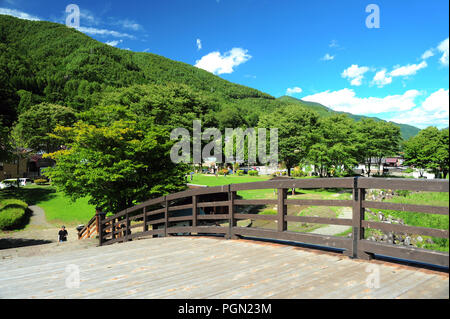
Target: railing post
[[194, 210], [232, 221], [112, 228], [100, 216], [358, 216], [281, 208], [127, 228], [166, 215], [145, 229]]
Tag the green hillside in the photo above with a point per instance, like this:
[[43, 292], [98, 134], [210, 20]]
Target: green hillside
[[407, 131], [48, 62]]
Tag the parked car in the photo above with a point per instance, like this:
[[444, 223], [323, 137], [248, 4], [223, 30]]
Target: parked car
[[7, 183], [25, 181]]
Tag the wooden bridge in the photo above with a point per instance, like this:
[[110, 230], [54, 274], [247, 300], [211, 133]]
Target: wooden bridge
[[159, 217], [175, 260]]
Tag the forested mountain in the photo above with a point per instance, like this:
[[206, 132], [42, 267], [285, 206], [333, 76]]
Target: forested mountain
[[48, 62]]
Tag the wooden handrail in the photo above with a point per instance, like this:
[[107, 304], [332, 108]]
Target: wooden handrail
[[158, 212]]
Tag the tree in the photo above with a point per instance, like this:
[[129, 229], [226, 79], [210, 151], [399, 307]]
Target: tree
[[116, 165], [335, 151], [428, 150], [296, 132], [375, 140], [34, 126]]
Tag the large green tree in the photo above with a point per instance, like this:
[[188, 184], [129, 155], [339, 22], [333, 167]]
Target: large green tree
[[335, 152], [34, 126], [375, 141], [296, 132], [428, 150], [117, 163]]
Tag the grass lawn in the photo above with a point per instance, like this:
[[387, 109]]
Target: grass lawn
[[58, 208]]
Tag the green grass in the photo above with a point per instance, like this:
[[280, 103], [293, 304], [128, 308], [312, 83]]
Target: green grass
[[211, 180], [59, 209], [421, 219]]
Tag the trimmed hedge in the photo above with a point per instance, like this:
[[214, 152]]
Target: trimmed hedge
[[12, 213]]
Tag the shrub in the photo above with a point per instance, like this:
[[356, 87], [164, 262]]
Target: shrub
[[223, 171], [253, 173], [298, 173], [12, 213], [40, 181], [240, 172]]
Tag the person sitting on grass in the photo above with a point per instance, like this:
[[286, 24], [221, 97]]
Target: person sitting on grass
[[62, 234]]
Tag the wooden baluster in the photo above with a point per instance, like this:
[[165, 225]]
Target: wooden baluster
[[166, 215], [145, 228], [358, 217], [232, 221], [99, 221], [127, 228], [194, 211], [281, 209]]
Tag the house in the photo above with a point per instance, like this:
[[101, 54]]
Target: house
[[15, 168], [37, 165]]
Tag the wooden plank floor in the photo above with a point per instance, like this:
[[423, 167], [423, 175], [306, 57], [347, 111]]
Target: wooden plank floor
[[186, 267]]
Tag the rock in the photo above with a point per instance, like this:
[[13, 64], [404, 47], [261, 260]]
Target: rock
[[429, 241], [419, 239], [407, 241]]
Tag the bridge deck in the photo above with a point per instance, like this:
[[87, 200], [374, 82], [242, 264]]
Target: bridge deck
[[180, 267]]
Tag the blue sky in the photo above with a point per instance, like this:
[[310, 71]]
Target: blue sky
[[320, 51]]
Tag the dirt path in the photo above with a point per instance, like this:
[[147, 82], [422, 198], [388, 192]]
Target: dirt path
[[332, 230], [38, 218]]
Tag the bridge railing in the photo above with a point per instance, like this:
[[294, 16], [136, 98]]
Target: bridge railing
[[213, 210]]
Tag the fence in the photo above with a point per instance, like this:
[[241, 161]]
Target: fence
[[162, 216]]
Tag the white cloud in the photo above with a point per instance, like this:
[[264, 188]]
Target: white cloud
[[114, 42], [199, 44], [346, 100], [104, 32], [432, 112], [217, 63], [327, 57], [409, 69], [293, 90], [355, 73], [18, 14], [381, 79], [129, 24], [443, 48], [333, 44], [427, 54]]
